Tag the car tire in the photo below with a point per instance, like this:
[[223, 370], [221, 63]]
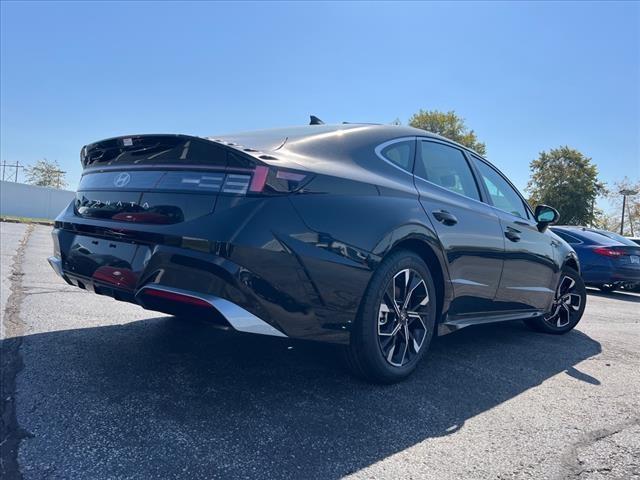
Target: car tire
[[568, 306], [376, 353], [607, 287]]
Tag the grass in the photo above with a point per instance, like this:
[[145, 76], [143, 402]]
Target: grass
[[12, 219]]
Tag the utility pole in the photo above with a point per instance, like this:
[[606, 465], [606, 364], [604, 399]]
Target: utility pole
[[7, 175], [59, 174], [625, 193], [630, 221], [624, 204]]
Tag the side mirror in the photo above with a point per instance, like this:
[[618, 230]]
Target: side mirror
[[546, 215]]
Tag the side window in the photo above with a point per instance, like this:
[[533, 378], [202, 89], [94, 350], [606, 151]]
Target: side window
[[566, 237], [447, 167], [503, 196], [400, 154]]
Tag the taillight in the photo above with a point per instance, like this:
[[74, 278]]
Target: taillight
[[176, 297], [259, 178], [276, 180], [608, 252]]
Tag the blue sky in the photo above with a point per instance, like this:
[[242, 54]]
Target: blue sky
[[527, 77]]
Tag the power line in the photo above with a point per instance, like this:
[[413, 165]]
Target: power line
[[59, 174], [17, 167]]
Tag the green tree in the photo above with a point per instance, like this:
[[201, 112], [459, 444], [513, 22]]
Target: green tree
[[449, 125], [45, 173], [567, 180]]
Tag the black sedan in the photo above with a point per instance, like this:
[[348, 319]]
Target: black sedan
[[370, 236]]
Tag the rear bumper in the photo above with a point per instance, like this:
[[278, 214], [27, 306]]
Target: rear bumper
[[290, 282], [235, 316], [239, 318], [56, 264], [596, 276]]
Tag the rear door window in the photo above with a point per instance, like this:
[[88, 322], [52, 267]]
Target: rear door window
[[447, 167]]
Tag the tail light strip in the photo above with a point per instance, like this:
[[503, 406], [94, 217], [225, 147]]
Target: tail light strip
[[608, 252], [236, 184], [261, 179]]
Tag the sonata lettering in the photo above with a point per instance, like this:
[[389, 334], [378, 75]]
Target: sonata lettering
[[97, 203]]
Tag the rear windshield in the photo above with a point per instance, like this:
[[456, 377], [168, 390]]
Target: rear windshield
[[615, 236], [588, 236]]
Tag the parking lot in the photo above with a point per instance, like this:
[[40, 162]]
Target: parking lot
[[94, 388]]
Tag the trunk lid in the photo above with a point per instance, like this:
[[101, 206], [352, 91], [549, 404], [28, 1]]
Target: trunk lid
[[158, 179]]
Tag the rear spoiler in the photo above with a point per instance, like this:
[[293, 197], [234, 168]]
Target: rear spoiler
[[136, 149], [183, 152], [175, 150]]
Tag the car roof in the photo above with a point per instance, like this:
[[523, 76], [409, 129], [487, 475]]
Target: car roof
[[273, 139], [591, 235]]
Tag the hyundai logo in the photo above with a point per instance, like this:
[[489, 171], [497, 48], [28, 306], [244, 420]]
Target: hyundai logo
[[121, 180]]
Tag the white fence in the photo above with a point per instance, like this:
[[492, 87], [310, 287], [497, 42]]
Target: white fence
[[21, 200]]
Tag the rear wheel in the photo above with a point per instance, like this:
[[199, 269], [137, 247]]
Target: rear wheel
[[396, 320], [568, 305]]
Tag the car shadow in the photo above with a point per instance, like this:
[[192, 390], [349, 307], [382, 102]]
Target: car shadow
[[171, 398], [617, 295]]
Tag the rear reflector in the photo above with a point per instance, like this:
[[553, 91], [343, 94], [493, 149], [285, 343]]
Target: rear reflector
[[272, 180], [259, 178], [176, 297], [295, 177], [120, 277], [608, 252]]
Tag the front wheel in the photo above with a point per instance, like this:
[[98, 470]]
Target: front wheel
[[568, 305], [396, 320]]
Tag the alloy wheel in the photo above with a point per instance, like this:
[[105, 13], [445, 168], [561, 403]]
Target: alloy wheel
[[566, 304], [402, 317]]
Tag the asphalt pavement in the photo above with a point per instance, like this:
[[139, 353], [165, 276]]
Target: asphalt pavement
[[93, 388]]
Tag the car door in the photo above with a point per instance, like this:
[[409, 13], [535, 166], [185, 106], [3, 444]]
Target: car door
[[529, 271], [469, 230]]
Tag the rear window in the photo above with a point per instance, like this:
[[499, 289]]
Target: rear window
[[615, 236], [400, 153], [589, 237]]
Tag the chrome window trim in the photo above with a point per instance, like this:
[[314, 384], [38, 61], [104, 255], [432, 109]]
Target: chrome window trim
[[446, 190], [382, 146], [516, 218]]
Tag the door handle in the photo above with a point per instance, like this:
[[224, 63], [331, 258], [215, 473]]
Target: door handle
[[512, 234], [445, 217]]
